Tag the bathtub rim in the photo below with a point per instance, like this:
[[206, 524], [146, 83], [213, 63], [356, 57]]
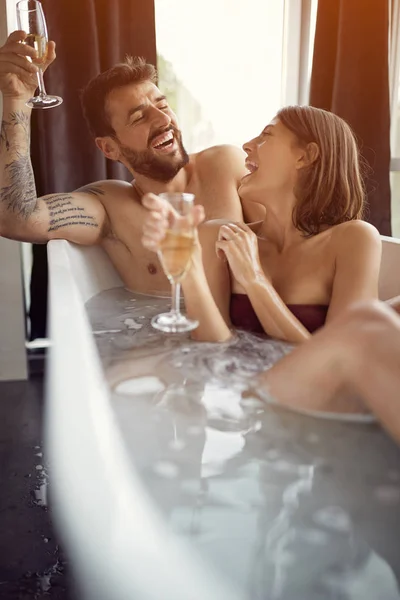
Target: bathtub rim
[[130, 546]]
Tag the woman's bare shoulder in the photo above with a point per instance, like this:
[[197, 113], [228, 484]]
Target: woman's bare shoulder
[[356, 229], [355, 235]]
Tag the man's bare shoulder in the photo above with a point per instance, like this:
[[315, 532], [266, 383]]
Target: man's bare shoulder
[[224, 162], [108, 189], [221, 153], [209, 230]]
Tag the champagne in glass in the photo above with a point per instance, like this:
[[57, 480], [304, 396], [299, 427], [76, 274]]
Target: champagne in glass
[[31, 19], [175, 254], [39, 43]]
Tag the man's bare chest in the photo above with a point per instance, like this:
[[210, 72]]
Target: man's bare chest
[[139, 268]]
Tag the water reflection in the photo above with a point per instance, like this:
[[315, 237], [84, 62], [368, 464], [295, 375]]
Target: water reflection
[[286, 507]]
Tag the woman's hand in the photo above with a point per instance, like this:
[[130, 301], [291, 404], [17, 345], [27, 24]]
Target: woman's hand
[[206, 291], [238, 244], [161, 217]]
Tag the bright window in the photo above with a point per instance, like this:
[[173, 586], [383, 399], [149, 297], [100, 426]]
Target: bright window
[[220, 64]]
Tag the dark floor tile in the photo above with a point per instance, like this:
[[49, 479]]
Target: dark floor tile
[[31, 563]]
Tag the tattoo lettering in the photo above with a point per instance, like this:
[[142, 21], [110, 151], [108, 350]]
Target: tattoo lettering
[[64, 214], [69, 222], [92, 189], [20, 194]]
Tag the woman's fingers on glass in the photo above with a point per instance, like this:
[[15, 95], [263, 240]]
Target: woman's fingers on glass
[[163, 207], [157, 219], [152, 234], [150, 244], [154, 202], [156, 229]]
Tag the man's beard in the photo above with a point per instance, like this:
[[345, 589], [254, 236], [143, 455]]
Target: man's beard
[[155, 167]]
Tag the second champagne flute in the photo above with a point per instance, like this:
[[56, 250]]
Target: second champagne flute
[[31, 19], [175, 255]]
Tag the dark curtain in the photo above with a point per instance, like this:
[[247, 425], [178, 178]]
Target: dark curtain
[[91, 36], [350, 77]]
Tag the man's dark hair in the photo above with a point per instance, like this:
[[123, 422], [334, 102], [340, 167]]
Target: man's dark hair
[[94, 95]]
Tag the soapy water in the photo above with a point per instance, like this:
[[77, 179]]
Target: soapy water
[[286, 507]]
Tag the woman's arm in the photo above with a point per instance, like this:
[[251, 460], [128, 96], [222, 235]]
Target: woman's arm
[[207, 289], [240, 246], [358, 251], [357, 248], [206, 286], [275, 317]]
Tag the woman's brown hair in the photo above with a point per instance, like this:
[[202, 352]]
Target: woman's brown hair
[[331, 190]]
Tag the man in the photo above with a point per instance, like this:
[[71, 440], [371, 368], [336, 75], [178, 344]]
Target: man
[[132, 123], [357, 354]]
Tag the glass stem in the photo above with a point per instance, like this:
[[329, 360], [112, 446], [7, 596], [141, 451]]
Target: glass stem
[[176, 298], [42, 89]]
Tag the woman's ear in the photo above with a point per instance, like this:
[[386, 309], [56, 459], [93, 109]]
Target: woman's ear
[[109, 147], [309, 155]]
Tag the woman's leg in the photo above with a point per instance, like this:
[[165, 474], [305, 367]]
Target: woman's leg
[[359, 354], [377, 375], [395, 303]]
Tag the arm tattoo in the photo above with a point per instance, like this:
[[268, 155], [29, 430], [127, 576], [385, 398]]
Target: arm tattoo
[[19, 196], [20, 118], [63, 213], [4, 136], [16, 118], [91, 189]]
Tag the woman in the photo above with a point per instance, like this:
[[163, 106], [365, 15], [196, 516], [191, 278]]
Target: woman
[[311, 256]]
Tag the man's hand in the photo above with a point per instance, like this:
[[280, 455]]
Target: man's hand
[[18, 74]]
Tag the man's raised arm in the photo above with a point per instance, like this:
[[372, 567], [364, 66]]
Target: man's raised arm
[[80, 216]]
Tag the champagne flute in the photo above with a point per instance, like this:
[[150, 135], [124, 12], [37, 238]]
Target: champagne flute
[[31, 19], [175, 254]]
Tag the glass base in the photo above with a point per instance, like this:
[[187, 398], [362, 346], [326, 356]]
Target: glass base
[[173, 323], [44, 101]]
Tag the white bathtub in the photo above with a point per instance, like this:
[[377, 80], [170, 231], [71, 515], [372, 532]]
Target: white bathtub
[[119, 546], [115, 539]]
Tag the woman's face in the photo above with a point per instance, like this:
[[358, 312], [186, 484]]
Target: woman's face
[[273, 159]]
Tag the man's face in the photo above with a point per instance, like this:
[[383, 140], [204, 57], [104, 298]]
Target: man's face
[[147, 133]]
